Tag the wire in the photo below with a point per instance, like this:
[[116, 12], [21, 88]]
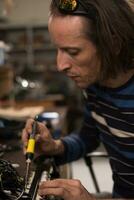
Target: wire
[[29, 156], [25, 185], [21, 194]]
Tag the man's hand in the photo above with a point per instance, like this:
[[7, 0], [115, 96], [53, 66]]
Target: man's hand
[[44, 144], [68, 189]]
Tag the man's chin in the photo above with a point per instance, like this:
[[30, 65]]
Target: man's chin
[[81, 85]]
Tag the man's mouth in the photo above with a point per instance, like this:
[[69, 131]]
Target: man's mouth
[[75, 78], [72, 75]]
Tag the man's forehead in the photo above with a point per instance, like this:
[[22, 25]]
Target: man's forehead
[[67, 24]]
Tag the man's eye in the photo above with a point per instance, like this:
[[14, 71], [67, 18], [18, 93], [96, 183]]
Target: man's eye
[[73, 53]]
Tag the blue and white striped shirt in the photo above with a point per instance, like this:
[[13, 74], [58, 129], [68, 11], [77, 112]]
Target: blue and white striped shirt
[[109, 118]]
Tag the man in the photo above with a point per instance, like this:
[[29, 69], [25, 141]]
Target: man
[[95, 48]]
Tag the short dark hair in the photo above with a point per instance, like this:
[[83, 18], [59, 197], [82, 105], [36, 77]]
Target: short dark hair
[[112, 33]]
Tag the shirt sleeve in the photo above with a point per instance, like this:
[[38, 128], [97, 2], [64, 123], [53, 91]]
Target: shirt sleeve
[[79, 144]]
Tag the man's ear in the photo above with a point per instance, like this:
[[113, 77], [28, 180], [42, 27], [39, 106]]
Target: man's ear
[[131, 3]]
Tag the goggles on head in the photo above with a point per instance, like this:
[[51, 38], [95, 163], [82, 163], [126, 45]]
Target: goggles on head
[[74, 7]]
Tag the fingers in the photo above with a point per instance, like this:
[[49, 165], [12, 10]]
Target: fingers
[[53, 191], [68, 189], [53, 188], [42, 135], [26, 131], [25, 134]]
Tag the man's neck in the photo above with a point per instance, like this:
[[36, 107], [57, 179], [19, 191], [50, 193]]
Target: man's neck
[[120, 80]]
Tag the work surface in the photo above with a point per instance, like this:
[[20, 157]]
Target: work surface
[[15, 153], [13, 147], [19, 158]]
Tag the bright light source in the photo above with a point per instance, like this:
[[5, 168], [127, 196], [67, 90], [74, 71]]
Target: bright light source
[[25, 83], [50, 115]]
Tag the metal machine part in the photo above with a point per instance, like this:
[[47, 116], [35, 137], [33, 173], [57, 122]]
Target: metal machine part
[[45, 170], [12, 185]]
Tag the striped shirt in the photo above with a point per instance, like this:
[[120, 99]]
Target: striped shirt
[[109, 118]]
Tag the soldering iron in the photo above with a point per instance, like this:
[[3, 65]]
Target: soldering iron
[[30, 150], [31, 143], [29, 157]]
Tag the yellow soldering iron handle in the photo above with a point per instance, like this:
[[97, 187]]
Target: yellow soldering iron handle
[[31, 146], [31, 142]]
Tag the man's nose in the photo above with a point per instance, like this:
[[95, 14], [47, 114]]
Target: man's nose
[[62, 61]]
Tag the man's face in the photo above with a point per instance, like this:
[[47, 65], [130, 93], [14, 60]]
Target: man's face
[[77, 57]]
